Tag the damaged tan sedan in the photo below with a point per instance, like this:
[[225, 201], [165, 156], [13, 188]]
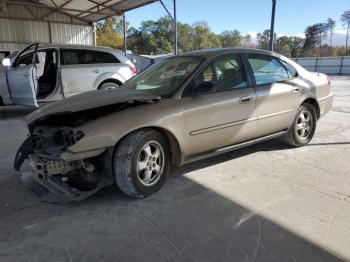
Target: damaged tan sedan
[[182, 109]]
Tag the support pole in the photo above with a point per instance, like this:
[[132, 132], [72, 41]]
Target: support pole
[[124, 33], [272, 29], [175, 29], [94, 29], [173, 18]]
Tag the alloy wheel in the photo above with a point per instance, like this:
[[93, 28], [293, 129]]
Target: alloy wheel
[[304, 124], [150, 163]]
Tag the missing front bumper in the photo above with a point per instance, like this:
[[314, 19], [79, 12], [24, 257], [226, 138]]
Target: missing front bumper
[[54, 180]]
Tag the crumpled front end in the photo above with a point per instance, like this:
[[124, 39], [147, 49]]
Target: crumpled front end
[[66, 161], [69, 180]]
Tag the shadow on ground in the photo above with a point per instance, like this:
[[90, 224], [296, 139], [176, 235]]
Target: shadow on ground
[[184, 221]]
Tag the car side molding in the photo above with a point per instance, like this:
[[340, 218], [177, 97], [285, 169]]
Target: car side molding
[[231, 147]]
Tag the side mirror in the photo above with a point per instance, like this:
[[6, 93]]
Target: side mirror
[[204, 87], [6, 62]]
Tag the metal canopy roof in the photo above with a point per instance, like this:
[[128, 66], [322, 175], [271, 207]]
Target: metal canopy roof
[[87, 10]]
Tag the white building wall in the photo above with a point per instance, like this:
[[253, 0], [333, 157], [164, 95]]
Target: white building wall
[[72, 34], [21, 25]]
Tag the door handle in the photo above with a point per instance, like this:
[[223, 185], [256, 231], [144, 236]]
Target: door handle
[[96, 71], [26, 73], [295, 90], [245, 99]]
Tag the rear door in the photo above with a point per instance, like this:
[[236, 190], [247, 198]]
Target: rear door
[[22, 77], [82, 70], [78, 71], [278, 93]]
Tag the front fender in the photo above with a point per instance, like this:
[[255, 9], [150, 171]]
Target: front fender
[[107, 131]]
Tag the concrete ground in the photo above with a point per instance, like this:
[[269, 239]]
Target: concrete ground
[[267, 202]]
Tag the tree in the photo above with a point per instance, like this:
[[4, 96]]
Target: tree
[[153, 37], [282, 45], [345, 19], [108, 35], [185, 37], [322, 30], [231, 38], [296, 45], [203, 38], [311, 36], [331, 25], [247, 41], [314, 35], [264, 39]]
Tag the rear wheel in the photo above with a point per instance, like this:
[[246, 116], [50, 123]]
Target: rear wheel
[[109, 85], [304, 126], [141, 163]]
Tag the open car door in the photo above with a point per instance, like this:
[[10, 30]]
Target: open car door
[[22, 77]]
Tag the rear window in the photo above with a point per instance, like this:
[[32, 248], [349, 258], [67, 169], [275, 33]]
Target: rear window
[[83, 57], [267, 69], [291, 70]]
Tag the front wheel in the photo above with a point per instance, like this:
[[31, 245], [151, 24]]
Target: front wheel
[[141, 163], [303, 127]]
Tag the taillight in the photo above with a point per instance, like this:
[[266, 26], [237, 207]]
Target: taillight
[[329, 80], [133, 70]]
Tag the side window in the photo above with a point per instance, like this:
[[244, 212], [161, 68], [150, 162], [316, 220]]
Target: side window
[[103, 58], [83, 57], [26, 59], [69, 58], [223, 74], [267, 69], [291, 70]]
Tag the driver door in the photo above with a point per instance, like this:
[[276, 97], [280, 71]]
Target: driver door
[[22, 77], [219, 109]]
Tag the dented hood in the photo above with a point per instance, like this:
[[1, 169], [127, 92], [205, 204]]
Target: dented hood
[[90, 100]]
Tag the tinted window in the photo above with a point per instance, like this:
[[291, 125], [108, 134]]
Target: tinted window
[[291, 70], [4, 54], [75, 57], [26, 59], [223, 74], [267, 69]]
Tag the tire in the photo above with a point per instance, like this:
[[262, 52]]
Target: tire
[[303, 127], [132, 163], [109, 85]]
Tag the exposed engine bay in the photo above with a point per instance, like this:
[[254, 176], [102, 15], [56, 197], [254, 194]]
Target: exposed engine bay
[[50, 137]]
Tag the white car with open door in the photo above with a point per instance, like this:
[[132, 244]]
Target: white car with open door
[[40, 74]]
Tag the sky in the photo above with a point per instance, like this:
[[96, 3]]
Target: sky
[[250, 16]]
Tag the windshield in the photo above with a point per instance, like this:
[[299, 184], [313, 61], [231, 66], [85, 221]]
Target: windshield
[[165, 77]]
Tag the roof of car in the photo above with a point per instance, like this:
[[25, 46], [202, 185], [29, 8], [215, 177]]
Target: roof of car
[[208, 53], [88, 47]]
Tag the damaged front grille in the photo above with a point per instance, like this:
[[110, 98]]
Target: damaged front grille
[[47, 142], [52, 141], [54, 167]]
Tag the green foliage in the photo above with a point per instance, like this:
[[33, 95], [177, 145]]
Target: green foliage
[[157, 37], [281, 46], [107, 35], [264, 39], [231, 38]]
